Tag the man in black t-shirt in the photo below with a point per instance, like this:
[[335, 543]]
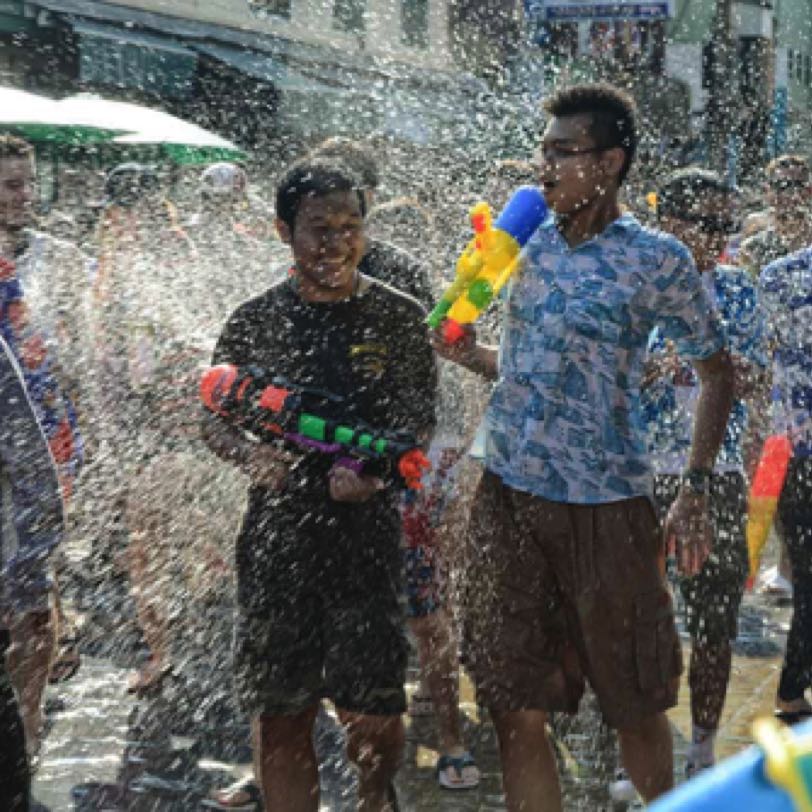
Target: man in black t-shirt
[[318, 557]]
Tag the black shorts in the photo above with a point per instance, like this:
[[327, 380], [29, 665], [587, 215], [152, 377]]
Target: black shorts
[[320, 612], [714, 594]]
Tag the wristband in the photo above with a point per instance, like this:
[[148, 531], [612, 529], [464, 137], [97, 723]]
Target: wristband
[[696, 480]]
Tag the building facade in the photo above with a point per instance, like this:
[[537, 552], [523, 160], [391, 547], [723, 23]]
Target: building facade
[[254, 69]]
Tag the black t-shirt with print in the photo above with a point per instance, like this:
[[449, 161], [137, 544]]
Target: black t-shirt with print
[[370, 350]]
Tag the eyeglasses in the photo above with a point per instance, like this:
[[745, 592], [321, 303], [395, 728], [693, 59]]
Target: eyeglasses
[[788, 184], [711, 223], [554, 153]]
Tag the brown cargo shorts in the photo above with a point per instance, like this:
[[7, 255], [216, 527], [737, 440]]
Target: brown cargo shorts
[[554, 594]]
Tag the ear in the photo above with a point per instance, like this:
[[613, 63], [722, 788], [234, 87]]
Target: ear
[[283, 230], [612, 160]]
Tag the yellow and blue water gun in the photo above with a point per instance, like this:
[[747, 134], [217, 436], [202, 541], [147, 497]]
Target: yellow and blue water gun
[[488, 260], [775, 776]]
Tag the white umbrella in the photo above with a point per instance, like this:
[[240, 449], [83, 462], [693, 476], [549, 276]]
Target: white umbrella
[[39, 119], [180, 139]]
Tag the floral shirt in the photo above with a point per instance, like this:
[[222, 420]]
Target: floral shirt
[[670, 403], [785, 290], [565, 420]]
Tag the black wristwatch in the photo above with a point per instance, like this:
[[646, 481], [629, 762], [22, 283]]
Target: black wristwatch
[[696, 480]]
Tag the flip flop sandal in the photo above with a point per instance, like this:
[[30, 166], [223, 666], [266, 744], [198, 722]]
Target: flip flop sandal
[[247, 787], [458, 764], [793, 717], [67, 661], [152, 685], [421, 706], [392, 798]]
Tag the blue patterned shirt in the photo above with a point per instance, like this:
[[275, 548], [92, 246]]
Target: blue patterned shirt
[[565, 420], [669, 404], [785, 291]]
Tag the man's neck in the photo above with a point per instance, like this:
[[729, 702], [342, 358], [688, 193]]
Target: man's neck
[[315, 294], [795, 233], [11, 240], [591, 220]]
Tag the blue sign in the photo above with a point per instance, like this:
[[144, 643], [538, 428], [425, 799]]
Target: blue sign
[[554, 11]]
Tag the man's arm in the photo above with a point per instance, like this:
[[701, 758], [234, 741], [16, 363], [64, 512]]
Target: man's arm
[[687, 524], [716, 384], [35, 493]]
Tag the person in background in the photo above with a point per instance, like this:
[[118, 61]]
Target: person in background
[[382, 260], [31, 528], [144, 372], [697, 207], [41, 320], [785, 292], [788, 228]]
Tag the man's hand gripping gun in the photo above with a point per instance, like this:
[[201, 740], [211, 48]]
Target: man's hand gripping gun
[[270, 408], [489, 260]]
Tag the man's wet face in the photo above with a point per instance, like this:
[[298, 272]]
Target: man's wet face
[[704, 224], [16, 193], [328, 239], [789, 191], [569, 162]]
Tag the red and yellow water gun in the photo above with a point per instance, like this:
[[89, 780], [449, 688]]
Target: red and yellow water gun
[[764, 494]]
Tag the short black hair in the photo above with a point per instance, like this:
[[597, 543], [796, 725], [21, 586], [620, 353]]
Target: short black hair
[[682, 188], [613, 113], [313, 178], [11, 146], [352, 154]]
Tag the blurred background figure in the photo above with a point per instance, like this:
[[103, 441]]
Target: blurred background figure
[[31, 528]]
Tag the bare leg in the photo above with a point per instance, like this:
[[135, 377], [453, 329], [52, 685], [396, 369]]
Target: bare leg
[[529, 770], [439, 669], [145, 572], [285, 762], [648, 755], [708, 678], [375, 745], [29, 663]]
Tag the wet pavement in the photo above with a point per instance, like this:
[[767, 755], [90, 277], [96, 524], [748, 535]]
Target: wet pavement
[[107, 751]]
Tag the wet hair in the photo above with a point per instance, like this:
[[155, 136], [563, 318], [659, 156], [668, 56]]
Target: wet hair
[[682, 189], [13, 147], [313, 178], [402, 222], [613, 113], [128, 183], [353, 155], [789, 161]]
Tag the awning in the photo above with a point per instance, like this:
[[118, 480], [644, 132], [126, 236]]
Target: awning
[[116, 57], [267, 68]]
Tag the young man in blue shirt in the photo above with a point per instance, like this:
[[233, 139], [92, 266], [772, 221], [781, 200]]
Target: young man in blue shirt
[[565, 578]]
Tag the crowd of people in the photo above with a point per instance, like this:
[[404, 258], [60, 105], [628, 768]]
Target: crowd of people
[[597, 429]]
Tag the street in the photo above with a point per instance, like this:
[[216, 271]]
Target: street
[[106, 750]]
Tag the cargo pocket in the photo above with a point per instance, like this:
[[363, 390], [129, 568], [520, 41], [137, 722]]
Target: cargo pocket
[[658, 656]]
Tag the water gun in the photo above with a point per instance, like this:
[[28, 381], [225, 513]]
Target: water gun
[[272, 408], [774, 777], [488, 261], [763, 499]]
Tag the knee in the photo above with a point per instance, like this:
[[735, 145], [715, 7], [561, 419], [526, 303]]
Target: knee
[[376, 741], [518, 729], [278, 733], [647, 730]]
